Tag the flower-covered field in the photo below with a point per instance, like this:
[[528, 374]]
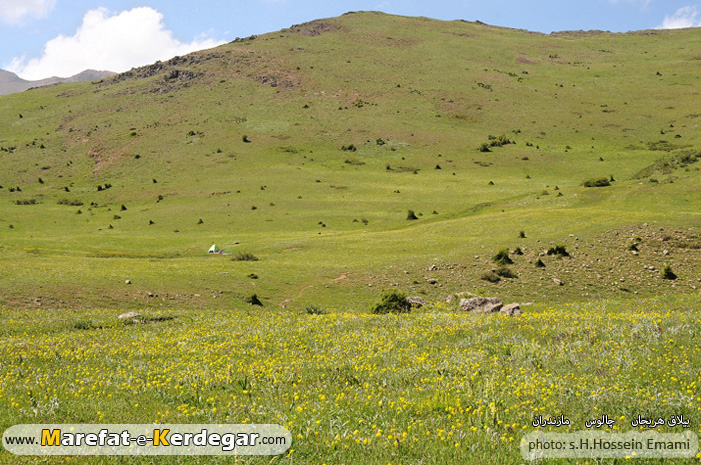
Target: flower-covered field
[[429, 387]]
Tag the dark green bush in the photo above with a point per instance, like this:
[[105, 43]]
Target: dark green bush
[[502, 258], [667, 273], [71, 202], [596, 182], [491, 277], [539, 264], [506, 272], [411, 215], [314, 310], [84, 324], [244, 257], [499, 141], [254, 300], [391, 302], [559, 251]]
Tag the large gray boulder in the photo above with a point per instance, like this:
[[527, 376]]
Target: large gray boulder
[[416, 302], [511, 310], [481, 304], [129, 316]]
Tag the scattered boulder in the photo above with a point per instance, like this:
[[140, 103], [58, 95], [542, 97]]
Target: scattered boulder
[[511, 310], [128, 281], [129, 316], [432, 281], [417, 302], [558, 282], [481, 304]]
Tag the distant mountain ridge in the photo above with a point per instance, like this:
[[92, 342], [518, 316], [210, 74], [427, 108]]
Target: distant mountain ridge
[[10, 83]]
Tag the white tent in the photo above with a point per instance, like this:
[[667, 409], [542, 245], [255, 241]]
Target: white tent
[[215, 249]]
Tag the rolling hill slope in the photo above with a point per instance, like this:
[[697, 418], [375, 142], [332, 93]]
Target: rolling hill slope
[[10, 83], [308, 146]]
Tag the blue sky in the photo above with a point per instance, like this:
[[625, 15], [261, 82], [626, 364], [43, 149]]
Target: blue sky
[[41, 38]]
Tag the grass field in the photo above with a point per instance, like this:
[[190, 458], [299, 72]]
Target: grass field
[[307, 149], [434, 386]]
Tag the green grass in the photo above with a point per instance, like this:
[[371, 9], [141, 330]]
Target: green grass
[[432, 385], [565, 116], [329, 229]]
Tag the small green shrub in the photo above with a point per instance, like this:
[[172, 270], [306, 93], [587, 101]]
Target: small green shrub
[[667, 273], [539, 264], [596, 182], [314, 310], [502, 258], [83, 324], [411, 215], [254, 300], [244, 257], [26, 202], [518, 251], [506, 272], [491, 277], [559, 251], [71, 202], [522, 234], [499, 141], [391, 302]]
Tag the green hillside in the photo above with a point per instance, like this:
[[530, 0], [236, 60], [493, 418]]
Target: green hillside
[[307, 148]]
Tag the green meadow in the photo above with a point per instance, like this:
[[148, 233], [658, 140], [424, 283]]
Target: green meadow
[[303, 154]]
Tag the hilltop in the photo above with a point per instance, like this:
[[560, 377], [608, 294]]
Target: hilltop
[[307, 147], [10, 83]]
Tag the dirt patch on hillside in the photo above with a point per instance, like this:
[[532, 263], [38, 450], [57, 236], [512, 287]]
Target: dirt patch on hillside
[[525, 61]]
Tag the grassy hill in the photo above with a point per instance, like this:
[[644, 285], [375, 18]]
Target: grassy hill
[[307, 148], [10, 83]]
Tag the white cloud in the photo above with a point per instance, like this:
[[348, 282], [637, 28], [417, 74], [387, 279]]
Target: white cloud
[[108, 42], [14, 11], [684, 17]]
